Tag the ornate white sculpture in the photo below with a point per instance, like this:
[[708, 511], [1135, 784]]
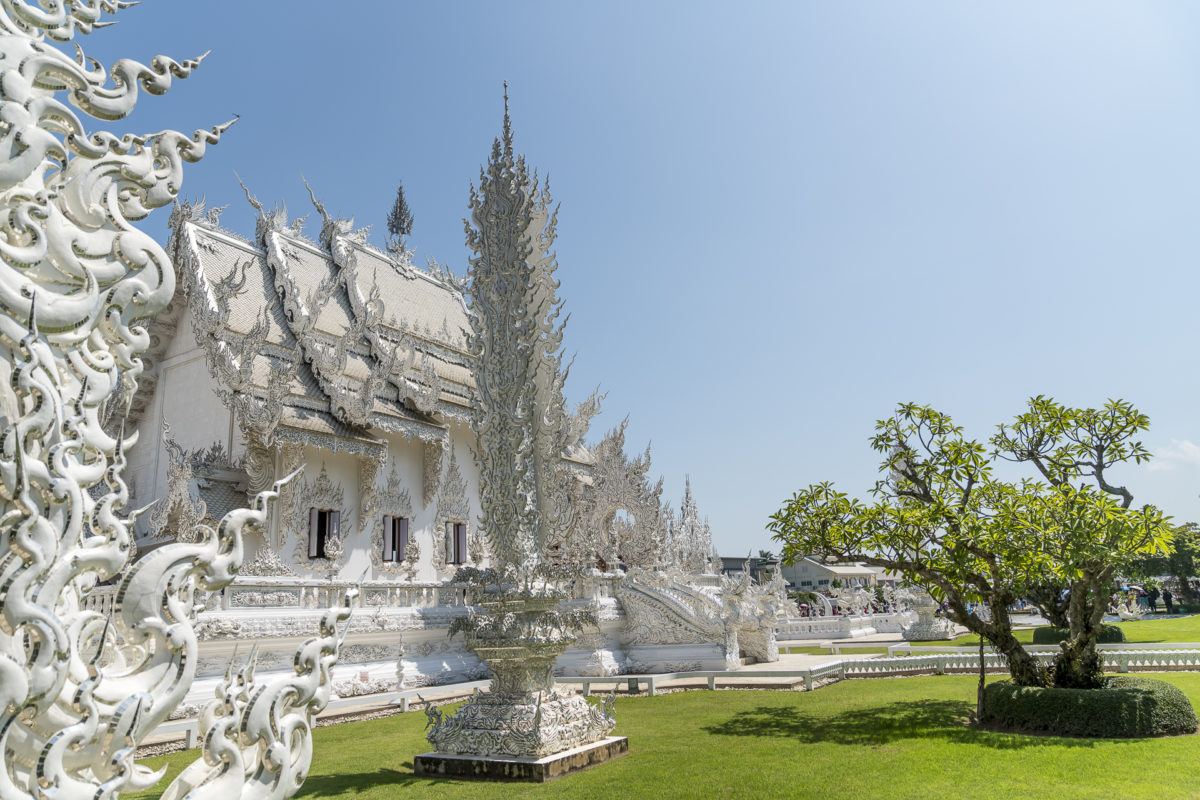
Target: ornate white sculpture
[[258, 741], [182, 511], [928, 627], [691, 539], [853, 600], [620, 516], [662, 609], [525, 486], [1128, 608], [79, 691]]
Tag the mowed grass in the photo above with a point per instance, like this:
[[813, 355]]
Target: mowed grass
[[879, 738], [1148, 631]]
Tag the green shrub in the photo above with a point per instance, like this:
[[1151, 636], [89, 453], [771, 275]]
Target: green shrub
[[1109, 634], [1126, 706]]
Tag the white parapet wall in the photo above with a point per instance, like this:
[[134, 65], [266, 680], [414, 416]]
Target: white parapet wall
[[842, 626], [398, 636]]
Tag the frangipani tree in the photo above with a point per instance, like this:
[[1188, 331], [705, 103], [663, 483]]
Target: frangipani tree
[[944, 520], [1095, 529]]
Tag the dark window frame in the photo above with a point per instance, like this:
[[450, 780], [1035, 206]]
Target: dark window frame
[[323, 524], [395, 538]]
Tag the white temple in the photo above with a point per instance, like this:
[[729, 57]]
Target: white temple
[[279, 353], [328, 386]]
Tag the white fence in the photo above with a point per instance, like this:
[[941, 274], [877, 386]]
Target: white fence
[[310, 593], [840, 626], [943, 663]]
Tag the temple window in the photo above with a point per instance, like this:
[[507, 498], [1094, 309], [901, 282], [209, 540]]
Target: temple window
[[456, 534], [395, 538], [323, 524]]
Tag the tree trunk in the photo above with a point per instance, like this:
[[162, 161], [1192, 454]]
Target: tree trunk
[[1023, 668], [1186, 595], [1079, 666], [1048, 599]]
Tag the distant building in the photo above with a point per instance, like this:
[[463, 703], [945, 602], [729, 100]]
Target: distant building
[[760, 568], [810, 574]]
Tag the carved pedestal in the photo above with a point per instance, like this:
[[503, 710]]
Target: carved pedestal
[[534, 770], [928, 626], [523, 715]]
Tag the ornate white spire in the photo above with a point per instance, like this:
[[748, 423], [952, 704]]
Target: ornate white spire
[[523, 426], [691, 539]]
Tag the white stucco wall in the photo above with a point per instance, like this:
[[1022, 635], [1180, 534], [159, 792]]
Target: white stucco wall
[[185, 398]]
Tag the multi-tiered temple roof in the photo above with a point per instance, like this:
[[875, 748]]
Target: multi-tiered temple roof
[[329, 342]]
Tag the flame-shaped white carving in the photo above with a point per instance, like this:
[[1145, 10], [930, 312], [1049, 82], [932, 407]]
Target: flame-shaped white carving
[[79, 692]]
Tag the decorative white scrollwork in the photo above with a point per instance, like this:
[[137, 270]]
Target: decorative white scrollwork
[[453, 507], [258, 736], [320, 494], [432, 453], [395, 502], [183, 510], [78, 692]]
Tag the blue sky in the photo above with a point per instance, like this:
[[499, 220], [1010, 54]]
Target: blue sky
[[778, 220]]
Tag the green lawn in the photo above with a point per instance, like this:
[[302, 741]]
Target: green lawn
[[1183, 629], [880, 738]]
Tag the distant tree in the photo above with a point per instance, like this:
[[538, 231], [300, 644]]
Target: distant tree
[[766, 555], [947, 524], [399, 220], [1182, 563]]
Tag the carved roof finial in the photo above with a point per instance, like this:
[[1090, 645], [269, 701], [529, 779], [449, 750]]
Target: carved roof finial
[[508, 137], [254, 201]]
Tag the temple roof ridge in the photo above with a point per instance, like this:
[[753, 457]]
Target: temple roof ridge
[[293, 329]]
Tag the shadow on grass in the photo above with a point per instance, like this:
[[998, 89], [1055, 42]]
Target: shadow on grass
[[948, 720], [350, 784]]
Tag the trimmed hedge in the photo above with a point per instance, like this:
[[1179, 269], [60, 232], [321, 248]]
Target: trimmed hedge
[[1109, 634], [1126, 706]]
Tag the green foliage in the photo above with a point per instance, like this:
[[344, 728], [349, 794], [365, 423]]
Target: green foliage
[[1182, 562], [1109, 634], [1125, 706], [803, 596], [943, 519]]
